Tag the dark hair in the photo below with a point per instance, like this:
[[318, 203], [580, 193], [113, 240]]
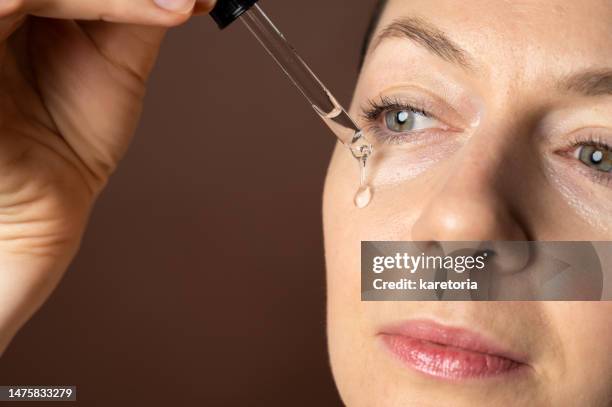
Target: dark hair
[[378, 8]]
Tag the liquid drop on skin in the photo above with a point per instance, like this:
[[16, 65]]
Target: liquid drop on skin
[[364, 194]]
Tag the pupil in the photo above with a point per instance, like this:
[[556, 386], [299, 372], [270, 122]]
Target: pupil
[[402, 117], [597, 157]]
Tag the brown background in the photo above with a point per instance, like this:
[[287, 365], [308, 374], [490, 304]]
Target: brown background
[[201, 277]]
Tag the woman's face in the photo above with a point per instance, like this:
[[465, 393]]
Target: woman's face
[[495, 117]]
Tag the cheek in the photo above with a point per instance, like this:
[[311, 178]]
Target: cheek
[[341, 223], [342, 250], [345, 226], [389, 217], [393, 210], [585, 329]]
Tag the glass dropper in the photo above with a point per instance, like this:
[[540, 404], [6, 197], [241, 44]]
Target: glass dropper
[[300, 74], [319, 97]]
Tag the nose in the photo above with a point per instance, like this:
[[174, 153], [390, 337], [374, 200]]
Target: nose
[[474, 195]]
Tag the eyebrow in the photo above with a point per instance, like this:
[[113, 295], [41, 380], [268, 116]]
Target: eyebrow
[[427, 36], [590, 83]]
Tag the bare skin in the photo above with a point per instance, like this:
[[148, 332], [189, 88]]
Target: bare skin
[[71, 98]]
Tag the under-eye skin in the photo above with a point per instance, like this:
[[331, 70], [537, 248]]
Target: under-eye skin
[[393, 121]]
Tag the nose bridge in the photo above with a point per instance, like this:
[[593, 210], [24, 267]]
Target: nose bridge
[[474, 199]]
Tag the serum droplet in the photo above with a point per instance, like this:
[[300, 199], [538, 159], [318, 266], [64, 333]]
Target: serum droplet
[[364, 193], [363, 196]]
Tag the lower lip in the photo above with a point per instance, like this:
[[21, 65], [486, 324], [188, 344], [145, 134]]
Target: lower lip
[[446, 361]]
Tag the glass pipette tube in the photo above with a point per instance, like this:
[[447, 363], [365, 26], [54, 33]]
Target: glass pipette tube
[[321, 99]]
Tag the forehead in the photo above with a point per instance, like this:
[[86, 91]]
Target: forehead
[[527, 32]]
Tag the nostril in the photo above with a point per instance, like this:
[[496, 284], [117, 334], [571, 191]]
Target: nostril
[[511, 257]]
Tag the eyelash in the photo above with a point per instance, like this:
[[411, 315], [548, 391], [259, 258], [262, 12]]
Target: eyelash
[[387, 104], [589, 141]]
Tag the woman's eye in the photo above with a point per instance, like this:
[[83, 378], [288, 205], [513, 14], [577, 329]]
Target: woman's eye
[[407, 120], [596, 157]]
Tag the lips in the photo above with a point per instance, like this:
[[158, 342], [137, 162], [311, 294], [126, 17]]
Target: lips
[[448, 352]]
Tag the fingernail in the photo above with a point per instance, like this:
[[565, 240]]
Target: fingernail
[[177, 6]]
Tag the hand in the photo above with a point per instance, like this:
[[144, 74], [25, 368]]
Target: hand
[[72, 81]]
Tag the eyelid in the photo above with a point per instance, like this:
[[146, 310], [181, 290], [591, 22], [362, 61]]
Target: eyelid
[[428, 102], [586, 136]]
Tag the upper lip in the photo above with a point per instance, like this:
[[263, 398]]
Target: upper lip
[[457, 337]]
